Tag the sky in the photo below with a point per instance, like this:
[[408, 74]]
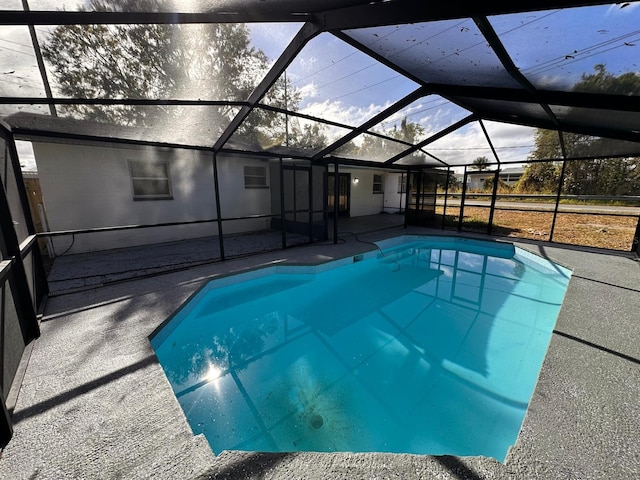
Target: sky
[[337, 82]]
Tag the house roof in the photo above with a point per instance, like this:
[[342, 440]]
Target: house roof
[[465, 73], [512, 170]]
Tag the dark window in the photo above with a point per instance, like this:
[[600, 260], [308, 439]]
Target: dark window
[[150, 180], [255, 177], [377, 183]]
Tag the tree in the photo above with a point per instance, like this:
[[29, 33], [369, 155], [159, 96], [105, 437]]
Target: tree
[[480, 164], [547, 145], [617, 176], [210, 61], [503, 187], [540, 177], [449, 178], [310, 137], [605, 82], [408, 132], [599, 176], [374, 147], [377, 148]]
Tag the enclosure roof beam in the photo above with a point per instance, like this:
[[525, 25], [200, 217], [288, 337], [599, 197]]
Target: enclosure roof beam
[[303, 115], [376, 56], [363, 163], [118, 101], [306, 33], [566, 126], [399, 105], [343, 14], [496, 44], [486, 135], [433, 138], [59, 17], [31, 135], [457, 93]]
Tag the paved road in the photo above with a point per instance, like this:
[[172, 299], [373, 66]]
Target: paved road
[[607, 209]]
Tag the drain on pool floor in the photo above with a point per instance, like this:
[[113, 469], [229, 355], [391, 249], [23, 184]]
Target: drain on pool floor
[[316, 422]]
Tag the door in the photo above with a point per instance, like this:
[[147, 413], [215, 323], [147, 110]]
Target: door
[[344, 194], [422, 199]]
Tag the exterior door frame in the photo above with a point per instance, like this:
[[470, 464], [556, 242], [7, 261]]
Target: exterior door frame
[[343, 179]]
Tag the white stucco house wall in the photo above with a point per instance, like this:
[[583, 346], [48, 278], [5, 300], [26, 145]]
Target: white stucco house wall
[[89, 183], [95, 185], [374, 191], [394, 192]]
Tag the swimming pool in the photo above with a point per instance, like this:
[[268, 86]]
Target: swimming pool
[[430, 345]]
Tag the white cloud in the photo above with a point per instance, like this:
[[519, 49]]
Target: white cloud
[[507, 133], [336, 111], [512, 143], [308, 91], [307, 63]]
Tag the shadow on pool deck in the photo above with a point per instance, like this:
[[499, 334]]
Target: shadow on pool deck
[[94, 403]]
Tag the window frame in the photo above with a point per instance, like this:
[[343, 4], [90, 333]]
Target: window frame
[[380, 184], [152, 196], [402, 184], [253, 176]]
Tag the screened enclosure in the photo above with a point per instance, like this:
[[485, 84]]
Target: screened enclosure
[[167, 122]]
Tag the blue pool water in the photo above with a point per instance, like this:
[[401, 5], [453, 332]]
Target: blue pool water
[[433, 347]]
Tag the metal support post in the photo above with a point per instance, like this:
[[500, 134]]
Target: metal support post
[[462, 199], [336, 199], [282, 206], [494, 194], [216, 184]]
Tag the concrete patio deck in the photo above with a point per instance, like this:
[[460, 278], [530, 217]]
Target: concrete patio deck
[[84, 271], [94, 402]]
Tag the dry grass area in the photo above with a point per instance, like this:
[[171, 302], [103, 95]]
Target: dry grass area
[[602, 231]]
